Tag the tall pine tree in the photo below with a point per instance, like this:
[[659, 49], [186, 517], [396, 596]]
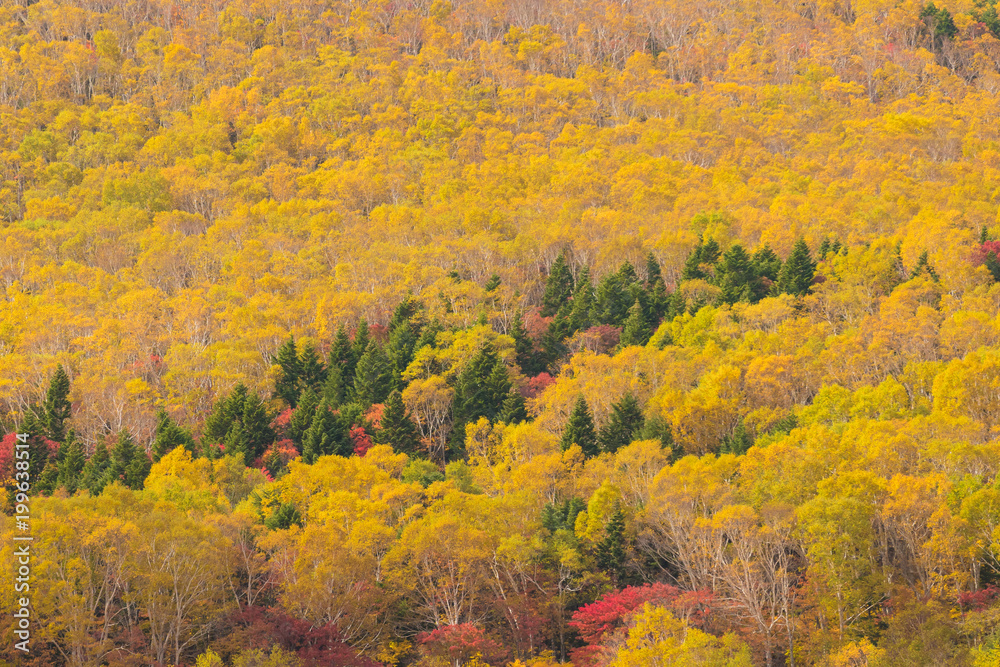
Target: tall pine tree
[[625, 422], [580, 429], [636, 331], [397, 428], [558, 287], [796, 275], [287, 384], [56, 409], [373, 378], [168, 436]]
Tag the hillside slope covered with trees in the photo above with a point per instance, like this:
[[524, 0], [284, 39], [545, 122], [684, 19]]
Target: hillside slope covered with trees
[[503, 332]]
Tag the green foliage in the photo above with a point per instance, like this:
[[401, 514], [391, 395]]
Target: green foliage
[[397, 428], [56, 408], [423, 472], [558, 286], [373, 378], [240, 423], [580, 429], [624, 424], [797, 272], [168, 436]]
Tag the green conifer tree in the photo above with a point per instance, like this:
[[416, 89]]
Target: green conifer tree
[[95, 476], [168, 436], [71, 468], [303, 416], [580, 429], [312, 372], [342, 357], [515, 410], [625, 422], [287, 384], [797, 273], [397, 428], [611, 552], [319, 438], [558, 287], [636, 331], [373, 378], [56, 408]]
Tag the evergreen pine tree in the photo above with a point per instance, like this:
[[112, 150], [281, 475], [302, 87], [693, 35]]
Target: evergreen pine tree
[[924, 266], [137, 471], [524, 347], [558, 287], [404, 313], [312, 372], [168, 436], [241, 422], [515, 410], [580, 429], [767, 266], [737, 277], [636, 331], [492, 284], [94, 476], [615, 296], [700, 262], [553, 341], [676, 306], [797, 273], [38, 443], [737, 442], [362, 337], [71, 467], [400, 348], [611, 550], [318, 440], [584, 301], [56, 408], [122, 454], [656, 289], [342, 357], [373, 378], [428, 335], [303, 416], [48, 480], [256, 423], [482, 387], [993, 265], [625, 422], [397, 428], [286, 385], [657, 428], [334, 389]]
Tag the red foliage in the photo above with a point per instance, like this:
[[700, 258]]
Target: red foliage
[[7, 457], [262, 628], [593, 621], [460, 643], [280, 423], [374, 415], [980, 253], [537, 385], [361, 440], [978, 600], [536, 325], [378, 333], [695, 607], [600, 339]]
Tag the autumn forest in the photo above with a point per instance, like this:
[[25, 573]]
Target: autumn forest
[[489, 333]]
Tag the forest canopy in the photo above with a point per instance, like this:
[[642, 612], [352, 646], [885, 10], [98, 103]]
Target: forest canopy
[[502, 332]]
